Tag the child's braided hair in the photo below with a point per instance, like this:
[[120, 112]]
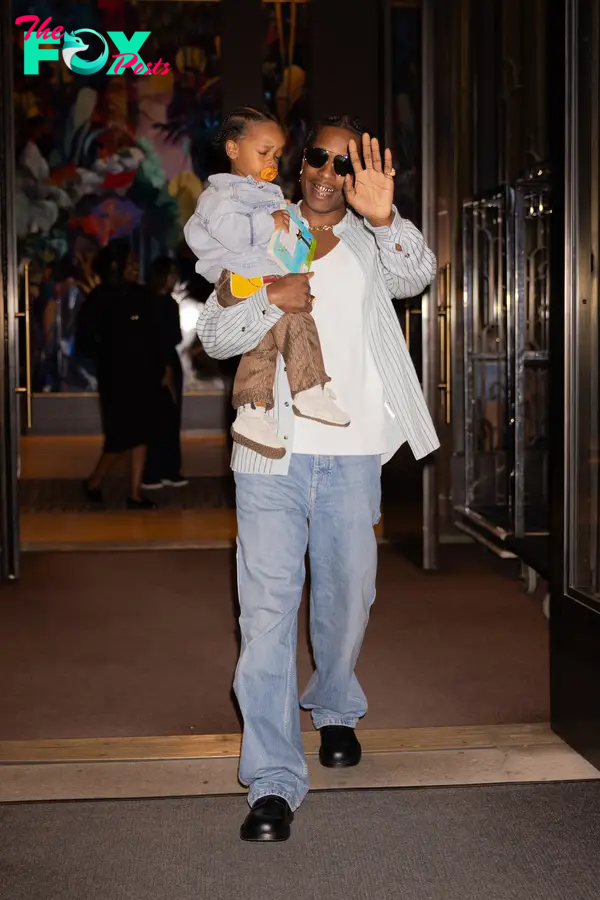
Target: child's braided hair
[[235, 124]]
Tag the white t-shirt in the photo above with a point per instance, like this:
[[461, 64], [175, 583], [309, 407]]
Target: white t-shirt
[[338, 286]]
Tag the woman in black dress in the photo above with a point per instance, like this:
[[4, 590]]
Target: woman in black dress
[[163, 461], [119, 328]]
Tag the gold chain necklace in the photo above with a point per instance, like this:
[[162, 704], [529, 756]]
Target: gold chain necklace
[[322, 227]]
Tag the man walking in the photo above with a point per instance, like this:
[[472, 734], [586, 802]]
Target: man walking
[[324, 495]]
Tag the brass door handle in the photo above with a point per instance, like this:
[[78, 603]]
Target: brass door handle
[[445, 314], [408, 312], [26, 315]]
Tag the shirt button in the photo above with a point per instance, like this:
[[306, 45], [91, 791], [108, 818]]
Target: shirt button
[[264, 312], [286, 403], [285, 368], [243, 329], [285, 437]]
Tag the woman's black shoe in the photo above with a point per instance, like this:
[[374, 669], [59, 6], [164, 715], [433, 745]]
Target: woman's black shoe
[[94, 495], [268, 820], [144, 503]]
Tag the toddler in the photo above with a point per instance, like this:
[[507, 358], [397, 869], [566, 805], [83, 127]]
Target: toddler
[[230, 233]]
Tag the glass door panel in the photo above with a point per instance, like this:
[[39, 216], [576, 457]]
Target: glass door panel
[[488, 325]]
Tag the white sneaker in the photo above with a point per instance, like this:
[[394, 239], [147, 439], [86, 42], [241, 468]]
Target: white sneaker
[[178, 482], [152, 485], [317, 404], [252, 428]]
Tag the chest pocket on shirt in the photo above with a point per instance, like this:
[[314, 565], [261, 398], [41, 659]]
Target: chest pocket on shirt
[[248, 195]]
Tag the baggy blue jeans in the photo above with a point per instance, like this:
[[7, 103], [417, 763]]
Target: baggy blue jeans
[[328, 504]]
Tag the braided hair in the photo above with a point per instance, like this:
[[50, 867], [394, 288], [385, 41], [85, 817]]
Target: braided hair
[[236, 123], [348, 123]]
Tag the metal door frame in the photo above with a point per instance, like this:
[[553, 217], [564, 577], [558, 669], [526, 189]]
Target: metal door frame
[[9, 310], [428, 310], [574, 602], [429, 303], [581, 275]]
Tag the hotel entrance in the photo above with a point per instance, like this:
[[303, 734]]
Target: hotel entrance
[[115, 656]]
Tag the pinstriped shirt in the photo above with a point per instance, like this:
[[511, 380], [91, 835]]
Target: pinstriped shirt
[[396, 263]]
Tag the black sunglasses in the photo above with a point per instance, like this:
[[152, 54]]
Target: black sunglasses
[[317, 157]]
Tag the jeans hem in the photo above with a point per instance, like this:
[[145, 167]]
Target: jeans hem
[[332, 720], [267, 790]]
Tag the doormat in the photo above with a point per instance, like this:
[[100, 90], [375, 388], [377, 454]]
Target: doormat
[[519, 842]]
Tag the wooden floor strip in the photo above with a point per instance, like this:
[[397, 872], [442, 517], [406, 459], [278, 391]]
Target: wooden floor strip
[[164, 529], [157, 529], [209, 746]]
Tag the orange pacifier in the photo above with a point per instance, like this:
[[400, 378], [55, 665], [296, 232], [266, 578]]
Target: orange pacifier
[[269, 173]]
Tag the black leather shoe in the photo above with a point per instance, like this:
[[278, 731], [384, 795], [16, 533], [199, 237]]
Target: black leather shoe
[[268, 820], [340, 748]]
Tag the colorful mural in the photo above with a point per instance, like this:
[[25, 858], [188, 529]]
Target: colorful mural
[[284, 81], [103, 156]]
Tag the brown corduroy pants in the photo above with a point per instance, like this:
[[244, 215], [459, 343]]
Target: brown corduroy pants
[[295, 336]]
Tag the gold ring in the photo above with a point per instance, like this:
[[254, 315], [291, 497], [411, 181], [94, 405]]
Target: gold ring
[[392, 174]]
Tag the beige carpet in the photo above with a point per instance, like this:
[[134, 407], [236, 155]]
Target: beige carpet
[[121, 644]]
